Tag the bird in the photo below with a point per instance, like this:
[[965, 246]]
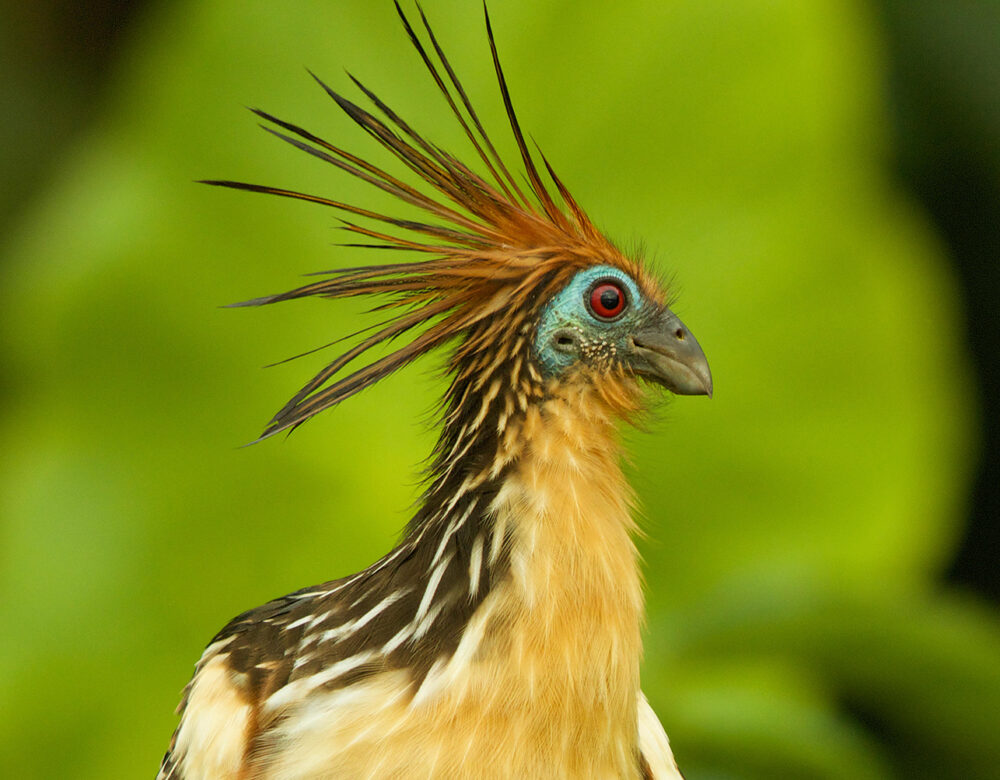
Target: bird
[[502, 636]]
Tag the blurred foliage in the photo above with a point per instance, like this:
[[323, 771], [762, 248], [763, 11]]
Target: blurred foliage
[[796, 523], [944, 87]]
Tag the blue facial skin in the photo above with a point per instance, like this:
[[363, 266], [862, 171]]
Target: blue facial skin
[[569, 332]]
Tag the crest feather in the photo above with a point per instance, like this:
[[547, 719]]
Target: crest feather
[[493, 245]]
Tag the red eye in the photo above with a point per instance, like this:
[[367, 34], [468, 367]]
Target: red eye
[[607, 300]]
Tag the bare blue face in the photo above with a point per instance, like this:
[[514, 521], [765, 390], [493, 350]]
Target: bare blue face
[[601, 319], [571, 330]]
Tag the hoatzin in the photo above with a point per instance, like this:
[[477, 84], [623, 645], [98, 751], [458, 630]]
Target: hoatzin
[[501, 637]]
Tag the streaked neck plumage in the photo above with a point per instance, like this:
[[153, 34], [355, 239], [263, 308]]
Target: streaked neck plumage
[[507, 622], [525, 627], [526, 494], [539, 530]]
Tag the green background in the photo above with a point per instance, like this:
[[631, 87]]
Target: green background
[[796, 525]]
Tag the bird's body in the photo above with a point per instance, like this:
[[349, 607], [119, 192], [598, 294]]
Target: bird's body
[[501, 637], [542, 672]]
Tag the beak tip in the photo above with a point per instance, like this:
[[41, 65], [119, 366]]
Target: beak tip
[[707, 383]]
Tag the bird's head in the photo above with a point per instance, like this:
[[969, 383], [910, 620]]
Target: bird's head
[[519, 278], [605, 323]]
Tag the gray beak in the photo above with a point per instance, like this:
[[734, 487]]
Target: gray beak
[[665, 352]]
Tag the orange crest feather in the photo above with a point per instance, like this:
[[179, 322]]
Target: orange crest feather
[[496, 249]]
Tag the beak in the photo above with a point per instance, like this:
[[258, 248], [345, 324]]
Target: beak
[[665, 352]]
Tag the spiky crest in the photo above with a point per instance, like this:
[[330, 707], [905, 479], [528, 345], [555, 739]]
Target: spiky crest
[[497, 251]]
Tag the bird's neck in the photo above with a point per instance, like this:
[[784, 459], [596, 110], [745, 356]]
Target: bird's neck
[[528, 493], [512, 608], [552, 631], [539, 517]]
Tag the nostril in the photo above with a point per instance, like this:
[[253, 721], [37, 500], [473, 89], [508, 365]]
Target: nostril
[[565, 340]]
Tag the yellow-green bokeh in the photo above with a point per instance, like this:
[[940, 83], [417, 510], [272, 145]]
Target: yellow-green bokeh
[[796, 523]]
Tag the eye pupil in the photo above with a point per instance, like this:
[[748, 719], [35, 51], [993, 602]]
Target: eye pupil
[[607, 300]]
